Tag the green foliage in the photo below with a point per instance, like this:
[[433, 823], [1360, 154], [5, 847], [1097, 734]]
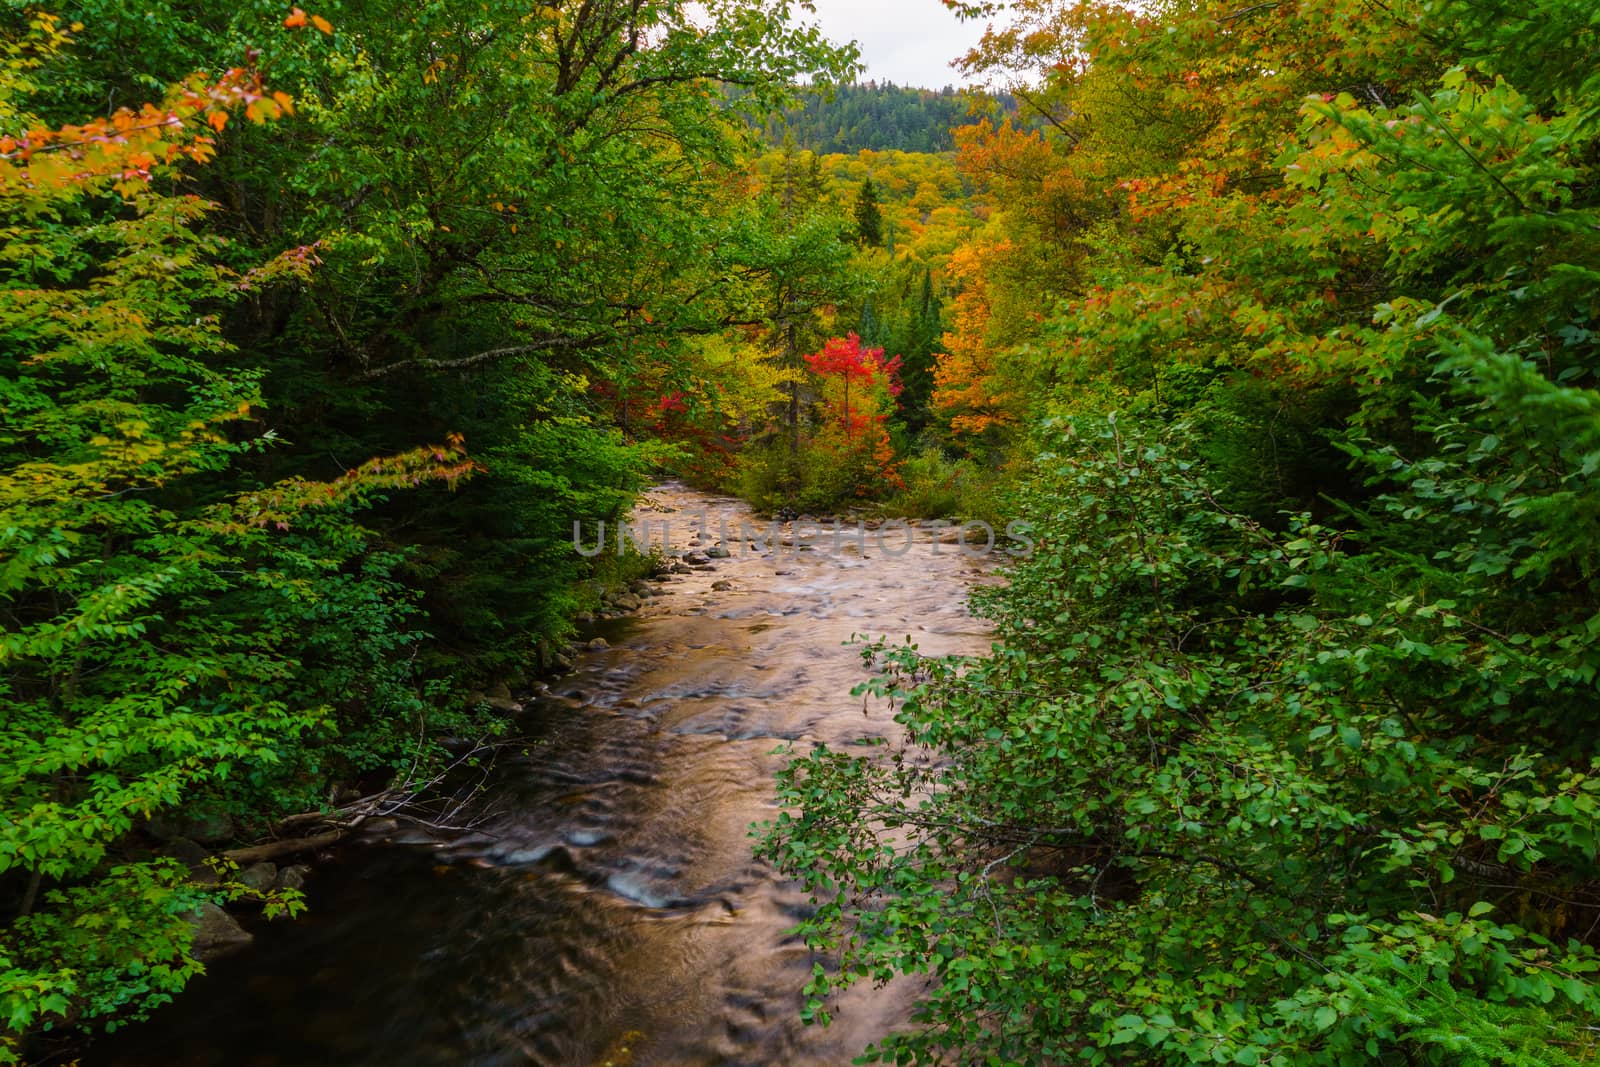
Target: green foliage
[[773, 478], [1286, 753], [1203, 748], [167, 640], [938, 487], [212, 600]]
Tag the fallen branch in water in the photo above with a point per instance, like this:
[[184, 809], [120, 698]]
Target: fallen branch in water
[[273, 850], [407, 801]]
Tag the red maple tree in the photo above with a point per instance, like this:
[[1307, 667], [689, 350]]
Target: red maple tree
[[844, 359]]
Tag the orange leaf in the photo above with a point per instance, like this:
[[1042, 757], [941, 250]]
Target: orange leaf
[[218, 120], [321, 23], [296, 19], [285, 101]]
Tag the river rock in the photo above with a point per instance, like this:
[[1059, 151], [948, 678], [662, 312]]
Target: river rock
[[599, 644], [628, 602], [499, 698], [193, 856], [216, 933], [293, 877], [718, 552], [721, 586], [259, 877], [695, 559], [185, 851]]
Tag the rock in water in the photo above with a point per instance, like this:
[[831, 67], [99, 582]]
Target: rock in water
[[293, 877], [216, 933], [192, 856], [499, 698], [259, 876], [721, 586]]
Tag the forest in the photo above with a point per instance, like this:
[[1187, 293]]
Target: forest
[[1278, 324], [851, 117]]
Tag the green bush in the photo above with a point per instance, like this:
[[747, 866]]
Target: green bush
[[939, 487], [813, 481]]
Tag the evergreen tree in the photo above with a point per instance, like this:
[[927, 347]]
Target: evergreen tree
[[869, 330], [815, 188], [922, 340], [784, 180], [869, 216]]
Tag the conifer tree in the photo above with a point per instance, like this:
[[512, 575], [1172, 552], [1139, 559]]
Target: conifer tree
[[869, 216]]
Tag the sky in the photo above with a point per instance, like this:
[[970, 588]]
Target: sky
[[908, 42]]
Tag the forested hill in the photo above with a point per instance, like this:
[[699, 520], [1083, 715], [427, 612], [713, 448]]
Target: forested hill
[[883, 116]]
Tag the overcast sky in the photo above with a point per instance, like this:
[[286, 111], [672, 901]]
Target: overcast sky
[[908, 42]]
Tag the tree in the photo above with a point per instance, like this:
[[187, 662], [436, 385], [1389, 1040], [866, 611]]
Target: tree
[[816, 181], [854, 441], [924, 330], [973, 387], [498, 280], [845, 361], [868, 216], [1285, 754], [155, 615], [201, 611]]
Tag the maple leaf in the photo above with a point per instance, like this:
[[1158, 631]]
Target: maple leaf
[[296, 19]]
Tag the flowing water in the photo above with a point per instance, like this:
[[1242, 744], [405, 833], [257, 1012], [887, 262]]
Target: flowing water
[[609, 911]]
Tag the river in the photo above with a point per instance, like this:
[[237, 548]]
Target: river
[[609, 911]]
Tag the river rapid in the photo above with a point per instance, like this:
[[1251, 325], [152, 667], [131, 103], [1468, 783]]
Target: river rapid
[[608, 910]]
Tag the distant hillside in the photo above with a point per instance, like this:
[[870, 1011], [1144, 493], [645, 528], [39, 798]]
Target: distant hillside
[[881, 117]]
